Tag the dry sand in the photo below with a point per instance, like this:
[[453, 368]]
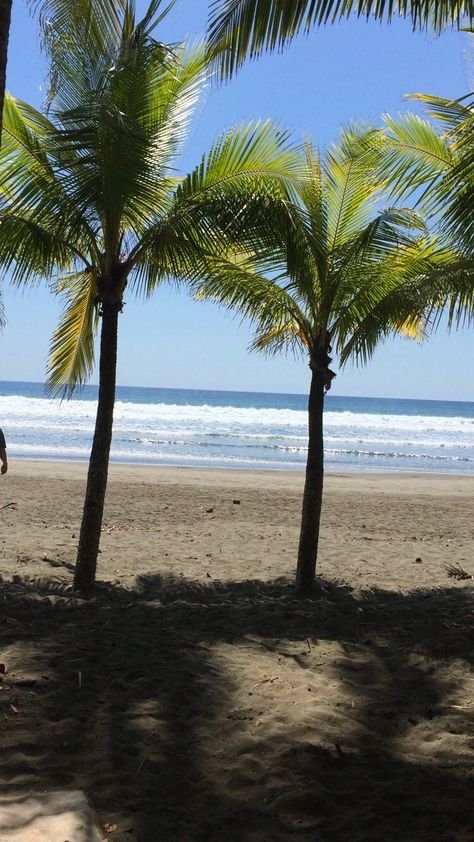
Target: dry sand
[[196, 699]]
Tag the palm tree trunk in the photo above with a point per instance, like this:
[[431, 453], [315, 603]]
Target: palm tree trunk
[[5, 15], [89, 538], [313, 489]]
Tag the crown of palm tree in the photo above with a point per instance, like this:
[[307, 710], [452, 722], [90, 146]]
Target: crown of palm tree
[[90, 198], [345, 273]]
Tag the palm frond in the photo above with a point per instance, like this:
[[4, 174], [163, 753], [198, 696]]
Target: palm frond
[[415, 158], [351, 184], [29, 252], [416, 286], [237, 196], [286, 337], [267, 303], [71, 357], [450, 114], [257, 150], [32, 183], [77, 36], [246, 28]]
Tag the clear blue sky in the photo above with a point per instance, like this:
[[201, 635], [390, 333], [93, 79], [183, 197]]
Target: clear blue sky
[[351, 71]]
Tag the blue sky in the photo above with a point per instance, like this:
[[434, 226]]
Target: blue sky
[[352, 71]]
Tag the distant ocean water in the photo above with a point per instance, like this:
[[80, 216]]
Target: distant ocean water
[[242, 429]]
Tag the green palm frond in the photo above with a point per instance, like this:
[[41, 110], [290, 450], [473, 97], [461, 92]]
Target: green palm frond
[[314, 197], [29, 252], [369, 265], [265, 302], [71, 357], [246, 28], [286, 337], [417, 285], [351, 185], [415, 157], [33, 183], [83, 40], [68, 30], [450, 114], [260, 149], [238, 194], [437, 169]]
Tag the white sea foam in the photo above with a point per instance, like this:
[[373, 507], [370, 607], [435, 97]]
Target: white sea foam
[[205, 434], [20, 410]]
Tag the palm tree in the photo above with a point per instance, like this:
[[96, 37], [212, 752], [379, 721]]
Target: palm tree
[[90, 201], [340, 265], [242, 28]]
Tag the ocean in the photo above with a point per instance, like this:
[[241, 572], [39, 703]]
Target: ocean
[[242, 429]]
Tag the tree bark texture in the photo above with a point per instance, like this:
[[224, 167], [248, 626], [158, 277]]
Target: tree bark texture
[[313, 489], [91, 526], [5, 16]]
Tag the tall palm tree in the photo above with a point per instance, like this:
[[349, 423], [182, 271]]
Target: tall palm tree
[[90, 201], [341, 265], [247, 28]]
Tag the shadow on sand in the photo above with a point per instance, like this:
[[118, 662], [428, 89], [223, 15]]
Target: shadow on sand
[[127, 697]]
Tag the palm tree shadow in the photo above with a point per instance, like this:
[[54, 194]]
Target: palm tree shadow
[[133, 702]]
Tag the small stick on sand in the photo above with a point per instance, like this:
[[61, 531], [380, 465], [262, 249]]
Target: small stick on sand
[[265, 681], [142, 763]]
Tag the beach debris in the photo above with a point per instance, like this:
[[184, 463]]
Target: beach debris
[[14, 709], [455, 571], [3, 669], [418, 559], [110, 827], [236, 502], [79, 679], [7, 505], [266, 681], [142, 763], [210, 510]]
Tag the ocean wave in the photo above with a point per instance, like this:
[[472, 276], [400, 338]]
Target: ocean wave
[[393, 454], [21, 410]]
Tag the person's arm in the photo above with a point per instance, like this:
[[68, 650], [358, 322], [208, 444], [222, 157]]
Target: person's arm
[[3, 454]]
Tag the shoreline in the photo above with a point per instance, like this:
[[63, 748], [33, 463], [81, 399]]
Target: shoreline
[[400, 482]]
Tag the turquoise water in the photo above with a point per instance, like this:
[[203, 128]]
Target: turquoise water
[[242, 429]]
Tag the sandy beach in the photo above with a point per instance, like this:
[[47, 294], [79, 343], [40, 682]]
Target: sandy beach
[[195, 698]]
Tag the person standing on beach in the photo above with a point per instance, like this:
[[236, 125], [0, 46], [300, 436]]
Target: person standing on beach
[[3, 453]]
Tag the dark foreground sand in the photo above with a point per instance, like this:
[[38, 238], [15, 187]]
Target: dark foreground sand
[[197, 700]]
